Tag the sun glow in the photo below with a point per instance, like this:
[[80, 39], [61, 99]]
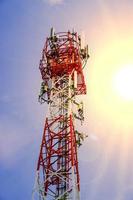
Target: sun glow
[[110, 88], [123, 82]]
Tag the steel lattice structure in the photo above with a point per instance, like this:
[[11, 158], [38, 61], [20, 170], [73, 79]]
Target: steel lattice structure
[[61, 67]]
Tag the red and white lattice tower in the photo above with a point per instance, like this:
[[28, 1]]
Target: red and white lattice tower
[[61, 66]]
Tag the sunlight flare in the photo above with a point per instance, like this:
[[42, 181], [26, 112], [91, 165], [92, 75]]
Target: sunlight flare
[[110, 86], [123, 82]]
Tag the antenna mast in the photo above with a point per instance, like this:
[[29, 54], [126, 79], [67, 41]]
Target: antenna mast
[[61, 67]]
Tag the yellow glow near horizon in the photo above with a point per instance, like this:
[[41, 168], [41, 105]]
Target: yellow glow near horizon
[[107, 99], [123, 82]]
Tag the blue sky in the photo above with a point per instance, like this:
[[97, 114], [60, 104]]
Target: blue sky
[[106, 169]]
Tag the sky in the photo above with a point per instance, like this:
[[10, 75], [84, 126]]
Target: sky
[[105, 159]]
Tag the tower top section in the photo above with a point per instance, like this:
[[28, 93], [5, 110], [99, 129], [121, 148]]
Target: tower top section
[[62, 55]]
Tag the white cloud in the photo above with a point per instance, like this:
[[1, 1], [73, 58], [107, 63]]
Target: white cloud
[[93, 137], [5, 99], [13, 140], [54, 2]]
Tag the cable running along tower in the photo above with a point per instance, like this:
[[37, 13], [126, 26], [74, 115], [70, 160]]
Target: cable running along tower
[[61, 67]]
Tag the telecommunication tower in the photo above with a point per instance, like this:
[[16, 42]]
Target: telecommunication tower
[[61, 67]]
